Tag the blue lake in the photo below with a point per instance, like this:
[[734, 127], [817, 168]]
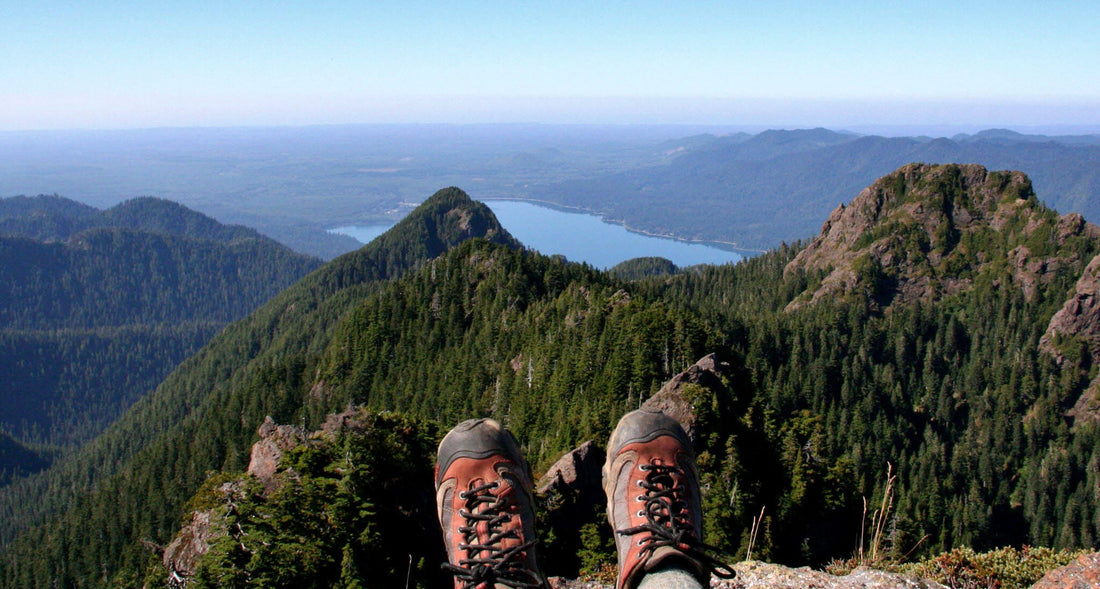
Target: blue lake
[[363, 233], [579, 237]]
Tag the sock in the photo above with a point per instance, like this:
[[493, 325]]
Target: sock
[[669, 578]]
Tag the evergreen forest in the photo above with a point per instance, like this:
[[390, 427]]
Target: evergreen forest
[[912, 338], [97, 307]]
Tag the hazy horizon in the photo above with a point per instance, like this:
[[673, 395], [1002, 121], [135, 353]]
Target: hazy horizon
[[861, 65], [672, 130]]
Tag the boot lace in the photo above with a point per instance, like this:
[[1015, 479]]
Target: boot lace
[[487, 561], [669, 521]]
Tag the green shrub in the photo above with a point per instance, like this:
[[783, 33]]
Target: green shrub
[[1004, 568]]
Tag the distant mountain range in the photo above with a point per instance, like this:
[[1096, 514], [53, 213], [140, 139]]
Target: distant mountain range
[[756, 191], [96, 307], [294, 183]]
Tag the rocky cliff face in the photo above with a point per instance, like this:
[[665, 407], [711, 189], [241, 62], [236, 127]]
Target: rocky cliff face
[[931, 230], [675, 399], [266, 453], [1079, 317], [181, 557], [578, 471], [1075, 331], [206, 525]]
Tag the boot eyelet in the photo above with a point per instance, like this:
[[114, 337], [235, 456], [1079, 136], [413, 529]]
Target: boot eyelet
[[641, 513], [640, 498]]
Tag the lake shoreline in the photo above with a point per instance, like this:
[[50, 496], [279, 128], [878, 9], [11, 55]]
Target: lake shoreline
[[726, 245], [583, 236]]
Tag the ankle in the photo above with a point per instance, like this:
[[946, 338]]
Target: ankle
[[669, 578]]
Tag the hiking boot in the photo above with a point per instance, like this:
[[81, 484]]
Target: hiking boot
[[653, 501], [483, 495]]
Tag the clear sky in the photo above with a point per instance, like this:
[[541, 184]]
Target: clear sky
[[121, 63]]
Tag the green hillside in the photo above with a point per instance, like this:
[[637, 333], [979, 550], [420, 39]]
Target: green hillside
[[97, 307], [637, 268], [906, 334], [54, 218], [115, 277], [204, 388]]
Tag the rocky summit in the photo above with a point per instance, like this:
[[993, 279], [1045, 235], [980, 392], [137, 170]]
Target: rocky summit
[[927, 231]]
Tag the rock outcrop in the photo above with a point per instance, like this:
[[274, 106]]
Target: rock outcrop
[[577, 472], [906, 237], [1077, 322], [569, 496], [759, 575], [1079, 317], [181, 556], [266, 453], [671, 399], [1084, 573]]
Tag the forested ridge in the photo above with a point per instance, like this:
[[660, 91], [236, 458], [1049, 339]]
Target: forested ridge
[[114, 277], [55, 218], [97, 307], [173, 414], [916, 345]]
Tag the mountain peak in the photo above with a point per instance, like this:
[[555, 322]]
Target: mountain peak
[[43, 217], [42, 205], [444, 220], [929, 230], [455, 217], [158, 215], [441, 222], [55, 218]]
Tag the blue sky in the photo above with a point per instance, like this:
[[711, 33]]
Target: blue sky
[[95, 64]]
